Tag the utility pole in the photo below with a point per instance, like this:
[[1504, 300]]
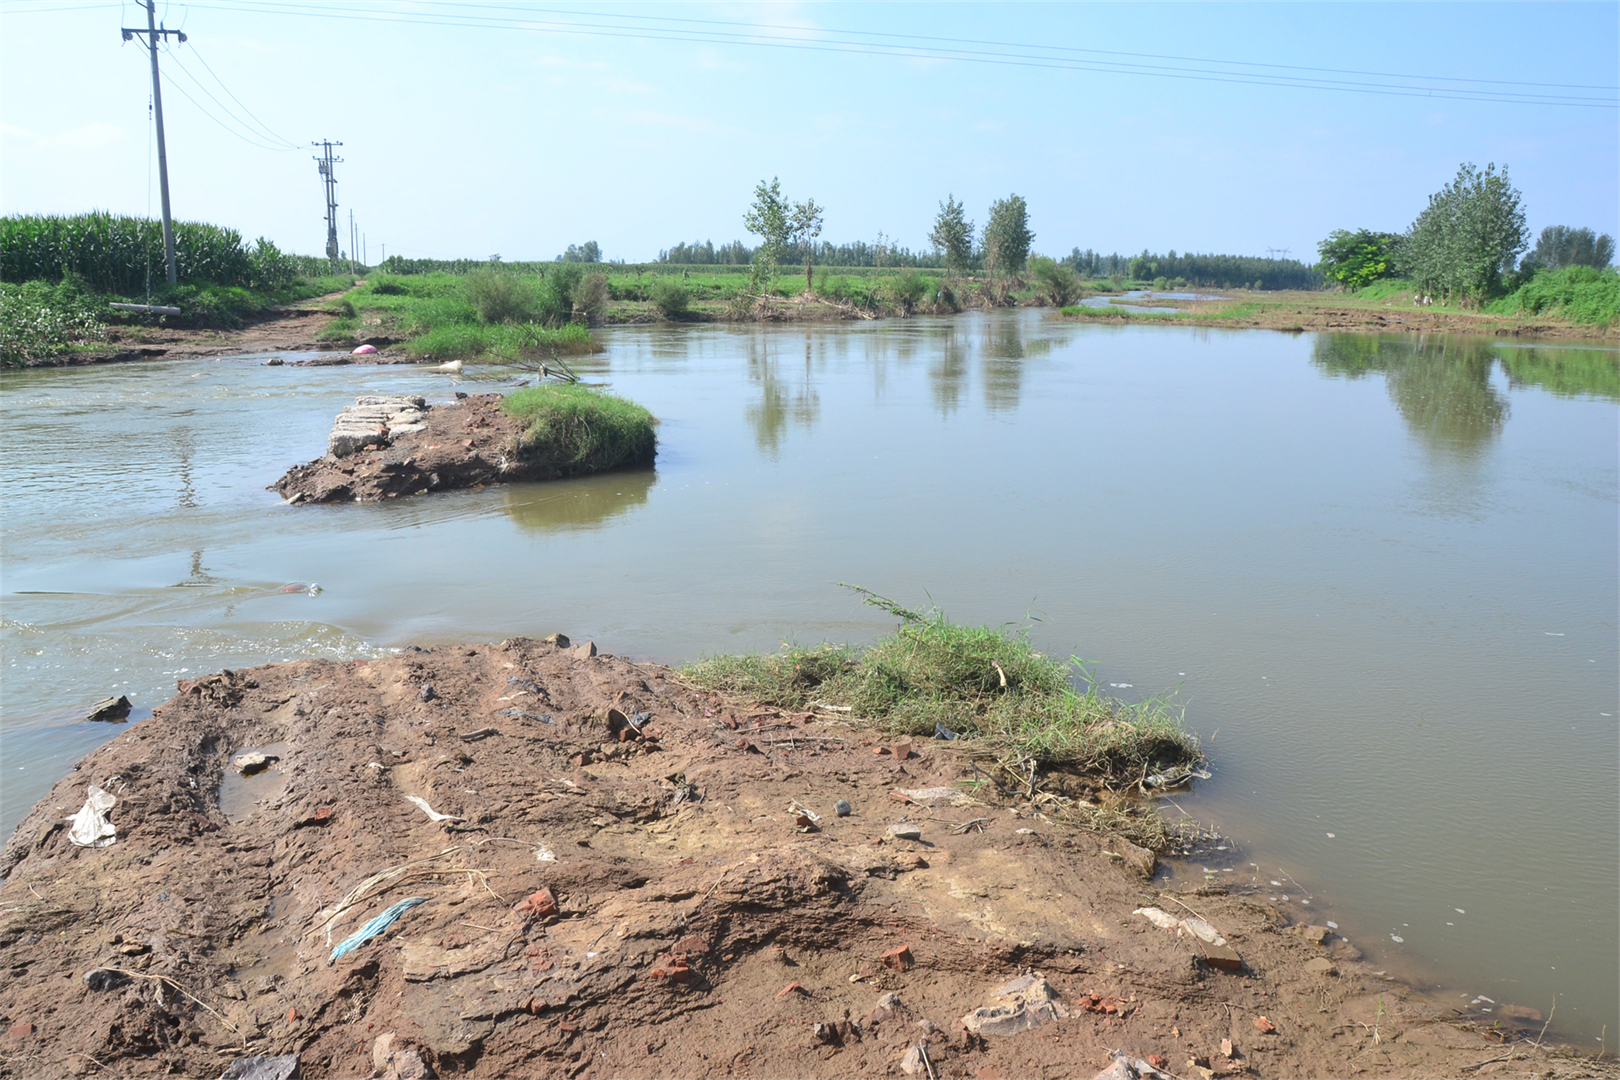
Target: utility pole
[[153, 34], [326, 164], [352, 252]]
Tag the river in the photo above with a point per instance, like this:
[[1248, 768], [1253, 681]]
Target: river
[[1378, 573]]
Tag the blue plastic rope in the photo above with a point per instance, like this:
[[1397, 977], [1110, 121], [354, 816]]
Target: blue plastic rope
[[375, 927]]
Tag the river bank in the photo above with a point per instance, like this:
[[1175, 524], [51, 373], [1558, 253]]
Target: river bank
[[339, 323], [1295, 312], [620, 875]]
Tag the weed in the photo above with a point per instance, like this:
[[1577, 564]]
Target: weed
[[987, 684]]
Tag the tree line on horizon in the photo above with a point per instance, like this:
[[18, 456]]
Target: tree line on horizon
[[956, 245]]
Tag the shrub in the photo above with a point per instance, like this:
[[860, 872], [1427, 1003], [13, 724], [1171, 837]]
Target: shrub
[[387, 287], [1577, 293], [670, 297], [574, 430], [590, 299], [38, 321], [499, 297], [1057, 284], [907, 290]]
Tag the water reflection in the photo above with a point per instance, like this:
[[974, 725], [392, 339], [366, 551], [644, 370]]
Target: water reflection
[[949, 369], [781, 402], [1569, 372], [573, 505], [1441, 386]]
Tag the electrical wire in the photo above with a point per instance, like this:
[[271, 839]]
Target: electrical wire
[[251, 142], [1054, 57], [262, 125], [175, 61], [1026, 45], [414, 16]]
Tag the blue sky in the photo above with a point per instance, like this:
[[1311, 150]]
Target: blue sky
[[468, 141]]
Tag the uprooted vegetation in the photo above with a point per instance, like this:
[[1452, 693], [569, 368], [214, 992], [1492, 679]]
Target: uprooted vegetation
[[989, 692]]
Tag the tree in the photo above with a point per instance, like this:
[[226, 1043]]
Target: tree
[[953, 235], [1559, 246], [1354, 259], [1472, 231], [1006, 235], [768, 219], [804, 225]]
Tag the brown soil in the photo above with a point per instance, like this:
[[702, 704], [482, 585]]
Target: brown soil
[[1315, 311], [281, 329], [471, 443], [699, 928]]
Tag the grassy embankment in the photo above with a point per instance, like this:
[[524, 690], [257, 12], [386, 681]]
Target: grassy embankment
[[460, 317], [574, 430], [59, 273], [1577, 301], [1013, 709]]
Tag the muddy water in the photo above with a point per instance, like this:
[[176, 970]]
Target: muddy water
[[1379, 573]]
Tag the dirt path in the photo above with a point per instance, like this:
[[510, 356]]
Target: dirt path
[[604, 900]]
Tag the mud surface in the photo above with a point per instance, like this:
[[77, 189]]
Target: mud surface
[[604, 899], [469, 443]]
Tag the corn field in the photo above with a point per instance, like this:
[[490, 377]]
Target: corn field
[[120, 255]]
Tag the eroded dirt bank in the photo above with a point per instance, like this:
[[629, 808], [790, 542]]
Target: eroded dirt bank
[[624, 894], [470, 442]]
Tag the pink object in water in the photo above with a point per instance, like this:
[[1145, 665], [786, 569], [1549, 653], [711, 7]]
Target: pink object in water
[[365, 350]]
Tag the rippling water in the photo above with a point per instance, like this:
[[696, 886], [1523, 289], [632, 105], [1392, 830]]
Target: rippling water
[[1379, 572]]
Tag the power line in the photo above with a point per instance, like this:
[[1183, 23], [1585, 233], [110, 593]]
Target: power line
[[1013, 45], [200, 108], [984, 56], [255, 137], [262, 125]]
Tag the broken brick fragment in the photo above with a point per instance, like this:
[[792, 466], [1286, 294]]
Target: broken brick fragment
[[1264, 1026], [540, 903], [900, 958]]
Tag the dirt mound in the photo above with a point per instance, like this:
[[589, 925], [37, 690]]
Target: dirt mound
[[619, 876], [470, 443]]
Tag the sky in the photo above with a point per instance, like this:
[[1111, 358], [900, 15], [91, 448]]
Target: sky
[[528, 128]]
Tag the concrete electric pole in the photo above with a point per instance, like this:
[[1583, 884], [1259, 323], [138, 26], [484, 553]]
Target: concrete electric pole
[[153, 34], [326, 164]]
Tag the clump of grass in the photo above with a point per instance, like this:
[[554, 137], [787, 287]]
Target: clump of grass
[[574, 430], [987, 684]]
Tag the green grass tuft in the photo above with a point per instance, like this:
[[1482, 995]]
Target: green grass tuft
[[988, 684], [574, 430]]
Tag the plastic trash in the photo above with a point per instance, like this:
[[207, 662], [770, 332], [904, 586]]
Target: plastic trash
[[943, 732], [375, 926], [1158, 917], [432, 814], [259, 1067], [364, 350], [91, 828]]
